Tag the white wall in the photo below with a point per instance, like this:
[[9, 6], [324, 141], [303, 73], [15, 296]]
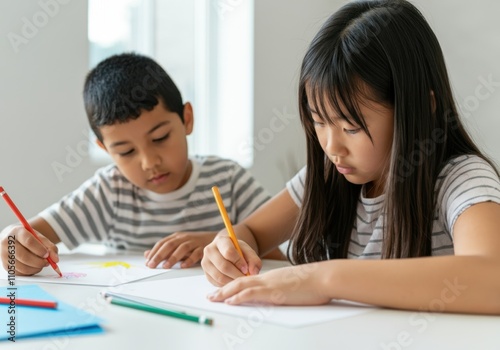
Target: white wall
[[469, 33], [42, 116], [283, 31], [43, 120]]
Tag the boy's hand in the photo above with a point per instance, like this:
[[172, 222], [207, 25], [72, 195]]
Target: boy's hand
[[180, 246], [222, 262], [30, 254]]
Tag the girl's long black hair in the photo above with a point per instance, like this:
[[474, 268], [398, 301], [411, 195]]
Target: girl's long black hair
[[385, 51]]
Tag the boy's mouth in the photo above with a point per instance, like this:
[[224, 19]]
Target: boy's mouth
[[158, 179]]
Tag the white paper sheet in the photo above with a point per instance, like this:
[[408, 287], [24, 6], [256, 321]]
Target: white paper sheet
[[193, 291], [95, 270]]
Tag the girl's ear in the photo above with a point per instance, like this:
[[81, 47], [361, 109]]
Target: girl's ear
[[433, 102], [101, 145]]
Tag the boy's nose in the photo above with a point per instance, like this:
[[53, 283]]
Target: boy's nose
[[150, 161]]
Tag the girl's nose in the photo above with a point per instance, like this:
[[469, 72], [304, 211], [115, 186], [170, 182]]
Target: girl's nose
[[335, 146]]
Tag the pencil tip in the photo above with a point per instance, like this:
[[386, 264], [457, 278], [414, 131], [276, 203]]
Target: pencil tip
[[58, 272]]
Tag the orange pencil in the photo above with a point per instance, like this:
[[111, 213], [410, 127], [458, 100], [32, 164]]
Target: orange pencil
[[30, 302], [227, 222], [26, 226]]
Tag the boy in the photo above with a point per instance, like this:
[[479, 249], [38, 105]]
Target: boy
[[153, 191]]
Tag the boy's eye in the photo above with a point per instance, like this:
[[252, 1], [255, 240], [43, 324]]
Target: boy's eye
[[163, 138], [124, 154], [318, 124]]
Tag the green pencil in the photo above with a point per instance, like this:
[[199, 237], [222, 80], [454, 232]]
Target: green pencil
[[156, 310]]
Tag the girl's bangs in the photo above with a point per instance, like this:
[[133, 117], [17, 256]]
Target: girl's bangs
[[335, 95]]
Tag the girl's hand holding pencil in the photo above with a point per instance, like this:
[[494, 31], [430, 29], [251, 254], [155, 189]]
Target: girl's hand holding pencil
[[222, 262], [226, 247]]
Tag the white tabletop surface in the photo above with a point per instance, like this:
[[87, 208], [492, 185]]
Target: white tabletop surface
[[379, 329]]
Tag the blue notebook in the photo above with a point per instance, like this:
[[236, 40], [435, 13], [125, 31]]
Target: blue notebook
[[28, 321]]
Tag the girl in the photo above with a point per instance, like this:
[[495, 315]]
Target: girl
[[397, 206]]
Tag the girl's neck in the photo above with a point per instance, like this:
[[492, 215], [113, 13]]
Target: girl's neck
[[372, 190]]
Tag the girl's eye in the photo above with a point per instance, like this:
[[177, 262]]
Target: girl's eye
[[352, 131], [318, 124], [124, 154], [162, 138]]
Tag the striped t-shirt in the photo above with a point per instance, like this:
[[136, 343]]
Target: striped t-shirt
[[464, 181], [109, 209]]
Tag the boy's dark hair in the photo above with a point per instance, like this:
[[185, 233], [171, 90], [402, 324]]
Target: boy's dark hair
[[122, 86]]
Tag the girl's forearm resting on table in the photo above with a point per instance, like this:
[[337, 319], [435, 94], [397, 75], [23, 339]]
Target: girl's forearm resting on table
[[469, 284]]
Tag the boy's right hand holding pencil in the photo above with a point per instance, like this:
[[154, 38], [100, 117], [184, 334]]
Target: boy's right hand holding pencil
[[31, 254], [34, 250]]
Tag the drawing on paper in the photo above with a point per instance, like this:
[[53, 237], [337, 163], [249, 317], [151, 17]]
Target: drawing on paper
[[106, 264], [72, 275], [94, 270]]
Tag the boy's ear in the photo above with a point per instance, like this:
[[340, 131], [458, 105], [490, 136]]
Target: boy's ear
[[101, 145], [433, 102], [188, 118]]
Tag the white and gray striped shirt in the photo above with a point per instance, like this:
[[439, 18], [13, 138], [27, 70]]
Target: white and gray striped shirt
[[464, 181], [108, 208]]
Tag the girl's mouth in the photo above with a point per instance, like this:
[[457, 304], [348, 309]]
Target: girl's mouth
[[344, 170]]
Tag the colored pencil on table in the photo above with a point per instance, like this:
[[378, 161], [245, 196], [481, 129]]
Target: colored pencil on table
[[30, 302], [161, 311], [26, 226], [227, 222]]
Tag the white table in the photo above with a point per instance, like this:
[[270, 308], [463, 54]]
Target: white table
[[379, 329]]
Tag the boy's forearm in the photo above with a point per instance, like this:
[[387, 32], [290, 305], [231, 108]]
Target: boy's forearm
[[468, 284], [42, 226]]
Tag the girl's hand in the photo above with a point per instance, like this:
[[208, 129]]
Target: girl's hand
[[30, 255], [297, 285], [222, 263], [181, 246]]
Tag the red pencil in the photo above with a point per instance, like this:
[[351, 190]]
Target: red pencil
[[26, 225], [30, 302]]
